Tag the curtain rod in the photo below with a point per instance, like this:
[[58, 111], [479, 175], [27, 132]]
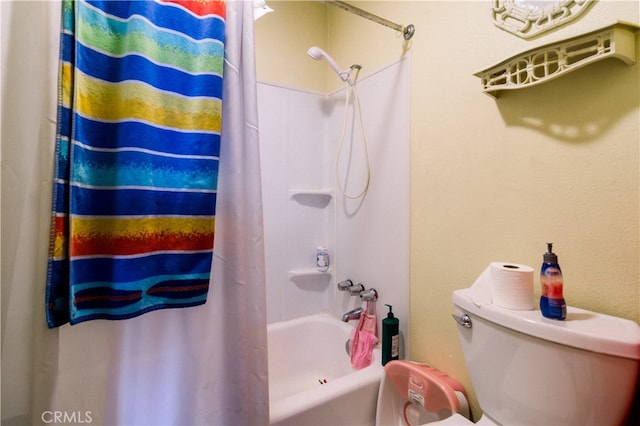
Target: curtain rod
[[407, 32]]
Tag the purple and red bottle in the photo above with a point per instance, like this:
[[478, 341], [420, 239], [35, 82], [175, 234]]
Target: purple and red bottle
[[552, 302]]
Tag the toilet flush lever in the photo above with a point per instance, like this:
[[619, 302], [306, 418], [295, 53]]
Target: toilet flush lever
[[464, 320]]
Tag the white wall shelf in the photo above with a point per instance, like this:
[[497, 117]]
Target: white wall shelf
[[550, 61], [318, 198], [322, 193], [307, 273]]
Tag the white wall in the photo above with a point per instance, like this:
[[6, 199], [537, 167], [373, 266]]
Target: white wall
[[368, 238], [372, 237], [295, 155]]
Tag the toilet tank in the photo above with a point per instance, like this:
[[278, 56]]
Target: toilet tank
[[530, 370]]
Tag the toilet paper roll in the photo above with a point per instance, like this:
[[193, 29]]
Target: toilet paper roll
[[511, 285], [480, 290]]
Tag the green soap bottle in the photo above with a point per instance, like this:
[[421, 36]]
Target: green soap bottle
[[390, 337]]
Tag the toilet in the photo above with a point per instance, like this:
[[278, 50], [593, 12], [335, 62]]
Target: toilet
[[413, 394], [530, 370]]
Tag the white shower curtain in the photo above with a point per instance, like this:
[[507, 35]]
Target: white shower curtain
[[205, 365]]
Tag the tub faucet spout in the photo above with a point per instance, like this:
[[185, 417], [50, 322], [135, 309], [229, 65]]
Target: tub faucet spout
[[352, 314]]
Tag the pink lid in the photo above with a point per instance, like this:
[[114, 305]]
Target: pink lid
[[424, 385]]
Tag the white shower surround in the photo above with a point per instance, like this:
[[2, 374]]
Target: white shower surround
[[368, 243]]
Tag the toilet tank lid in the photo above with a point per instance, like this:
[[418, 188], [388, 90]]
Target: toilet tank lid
[[591, 331]]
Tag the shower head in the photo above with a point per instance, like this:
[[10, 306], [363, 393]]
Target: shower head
[[317, 54]]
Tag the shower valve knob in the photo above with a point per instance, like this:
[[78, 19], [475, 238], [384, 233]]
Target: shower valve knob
[[355, 290], [345, 285], [370, 295]]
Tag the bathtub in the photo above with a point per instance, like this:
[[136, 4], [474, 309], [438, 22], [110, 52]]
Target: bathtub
[[311, 381]]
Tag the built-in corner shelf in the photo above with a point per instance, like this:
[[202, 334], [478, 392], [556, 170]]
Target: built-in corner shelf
[[318, 198], [321, 193], [296, 274], [553, 60]]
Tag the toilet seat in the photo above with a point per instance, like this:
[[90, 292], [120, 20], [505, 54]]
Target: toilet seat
[[412, 393]]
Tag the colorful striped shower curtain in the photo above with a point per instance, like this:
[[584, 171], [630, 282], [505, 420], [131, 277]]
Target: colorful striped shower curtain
[[137, 153]]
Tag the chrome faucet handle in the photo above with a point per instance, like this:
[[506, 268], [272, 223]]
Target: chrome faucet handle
[[355, 290], [345, 285], [353, 314], [370, 295]]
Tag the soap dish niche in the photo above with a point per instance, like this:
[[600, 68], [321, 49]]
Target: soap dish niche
[[312, 197]]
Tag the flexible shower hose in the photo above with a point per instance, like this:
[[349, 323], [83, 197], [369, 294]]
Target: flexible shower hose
[[351, 89]]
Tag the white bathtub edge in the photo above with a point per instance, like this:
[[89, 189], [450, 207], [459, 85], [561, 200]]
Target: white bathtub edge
[[282, 409]]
